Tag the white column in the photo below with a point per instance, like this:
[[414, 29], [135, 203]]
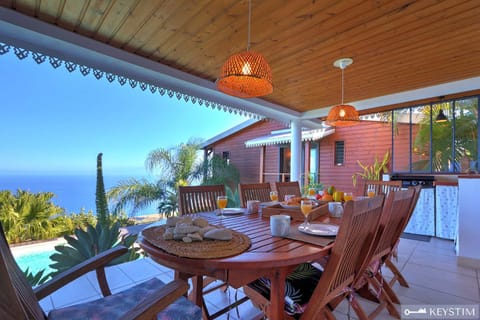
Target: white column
[[296, 151]]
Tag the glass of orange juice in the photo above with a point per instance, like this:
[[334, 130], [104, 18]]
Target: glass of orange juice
[[312, 192], [371, 192], [348, 196], [222, 204], [274, 195], [306, 207]]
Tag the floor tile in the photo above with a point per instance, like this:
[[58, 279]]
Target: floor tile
[[78, 290], [429, 267]]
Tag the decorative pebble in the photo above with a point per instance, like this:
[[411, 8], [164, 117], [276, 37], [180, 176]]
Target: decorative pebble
[[219, 234]]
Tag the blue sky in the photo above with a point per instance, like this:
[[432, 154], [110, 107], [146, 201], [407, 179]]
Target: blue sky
[[54, 121]]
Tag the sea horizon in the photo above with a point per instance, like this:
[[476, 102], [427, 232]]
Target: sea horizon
[[73, 191]]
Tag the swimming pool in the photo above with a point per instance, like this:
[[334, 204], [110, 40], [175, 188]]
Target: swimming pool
[[36, 261], [36, 256]]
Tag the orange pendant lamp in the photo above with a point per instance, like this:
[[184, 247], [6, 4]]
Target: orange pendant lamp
[[246, 74], [343, 115]]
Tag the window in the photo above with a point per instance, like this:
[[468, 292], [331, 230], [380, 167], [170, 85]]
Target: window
[[226, 156], [422, 144], [339, 153]]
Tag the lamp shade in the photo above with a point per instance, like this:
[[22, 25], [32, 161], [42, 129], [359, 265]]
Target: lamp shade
[[343, 115], [246, 75]]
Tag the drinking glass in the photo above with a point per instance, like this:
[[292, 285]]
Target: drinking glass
[[371, 192], [312, 192], [274, 195], [222, 204], [348, 196], [306, 207]]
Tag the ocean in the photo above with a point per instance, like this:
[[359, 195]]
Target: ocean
[[72, 192]]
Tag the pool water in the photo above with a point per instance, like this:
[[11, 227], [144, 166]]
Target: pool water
[[36, 261]]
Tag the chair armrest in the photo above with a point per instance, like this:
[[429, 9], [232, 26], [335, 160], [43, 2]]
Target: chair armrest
[[151, 305], [94, 263]]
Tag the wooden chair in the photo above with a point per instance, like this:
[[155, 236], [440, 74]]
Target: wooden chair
[[349, 256], [144, 301], [397, 275], [284, 188], [382, 187], [371, 283], [193, 199], [254, 191]]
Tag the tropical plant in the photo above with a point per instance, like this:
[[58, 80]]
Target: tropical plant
[[37, 278], [372, 171], [217, 170], [233, 197], [28, 216], [447, 142], [177, 167], [103, 216], [312, 184], [90, 242]]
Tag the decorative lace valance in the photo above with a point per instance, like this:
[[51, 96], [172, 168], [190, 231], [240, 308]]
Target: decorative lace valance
[[122, 80]]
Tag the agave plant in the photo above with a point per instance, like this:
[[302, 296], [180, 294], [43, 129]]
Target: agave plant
[[37, 278], [90, 242]]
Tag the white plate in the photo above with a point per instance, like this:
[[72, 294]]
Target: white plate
[[319, 229], [288, 206], [233, 211]]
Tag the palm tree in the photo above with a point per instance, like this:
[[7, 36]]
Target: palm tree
[[445, 156], [177, 166]]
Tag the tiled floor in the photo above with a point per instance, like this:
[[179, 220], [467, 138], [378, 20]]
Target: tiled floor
[[430, 268]]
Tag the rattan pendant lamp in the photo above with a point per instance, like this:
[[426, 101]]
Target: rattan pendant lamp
[[246, 74], [343, 115]]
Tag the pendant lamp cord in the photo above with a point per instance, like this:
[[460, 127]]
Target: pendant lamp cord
[[249, 22], [342, 84]]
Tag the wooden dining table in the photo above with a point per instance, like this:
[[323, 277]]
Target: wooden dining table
[[268, 256]]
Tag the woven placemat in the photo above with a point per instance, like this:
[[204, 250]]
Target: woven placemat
[[317, 240], [206, 249]]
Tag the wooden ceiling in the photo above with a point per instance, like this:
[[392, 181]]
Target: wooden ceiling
[[396, 45]]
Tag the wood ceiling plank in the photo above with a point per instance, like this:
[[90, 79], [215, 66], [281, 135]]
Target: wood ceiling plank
[[117, 15], [72, 14], [93, 16], [50, 11], [375, 30]]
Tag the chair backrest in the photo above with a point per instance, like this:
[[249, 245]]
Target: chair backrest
[[396, 210], [382, 187], [350, 253], [284, 188], [254, 191], [193, 199], [17, 299]]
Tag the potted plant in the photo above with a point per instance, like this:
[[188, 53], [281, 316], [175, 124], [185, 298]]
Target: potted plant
[[372, 171]]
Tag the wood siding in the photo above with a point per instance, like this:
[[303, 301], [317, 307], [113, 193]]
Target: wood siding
[[247, 160], [362, 142]]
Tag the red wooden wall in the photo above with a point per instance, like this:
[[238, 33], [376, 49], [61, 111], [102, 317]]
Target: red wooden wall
[[362, 142]]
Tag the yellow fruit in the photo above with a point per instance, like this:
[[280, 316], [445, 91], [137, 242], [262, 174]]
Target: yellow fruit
[[338, 196], [331, 190]]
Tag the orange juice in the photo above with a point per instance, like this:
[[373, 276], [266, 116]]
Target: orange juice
[[274, 195], [371, 193], [311, 192], [348, 196], [306, 207], [222, 202]]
